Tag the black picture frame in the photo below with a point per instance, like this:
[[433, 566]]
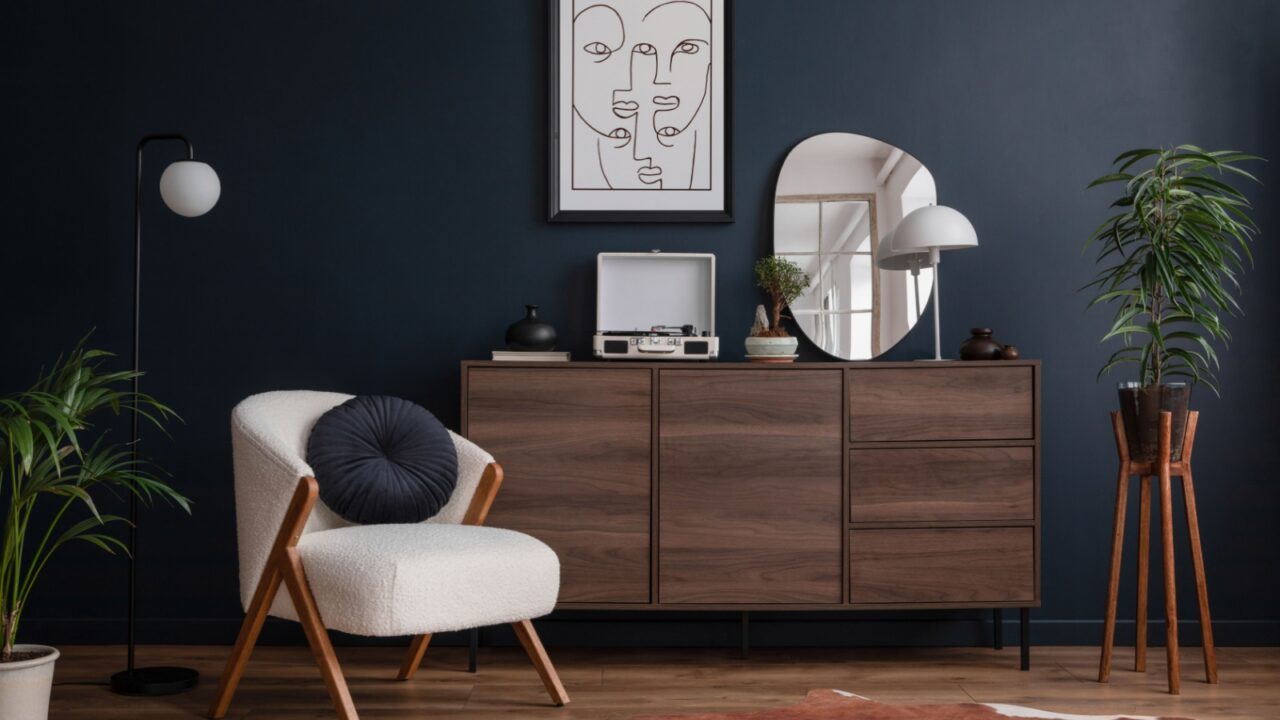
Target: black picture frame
[[556, 214]]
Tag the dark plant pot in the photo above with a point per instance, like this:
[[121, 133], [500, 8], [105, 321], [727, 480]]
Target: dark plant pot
[[529, 334], [1140, 409]]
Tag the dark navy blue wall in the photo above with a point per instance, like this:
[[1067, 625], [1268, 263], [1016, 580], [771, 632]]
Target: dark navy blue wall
[[382, 219]]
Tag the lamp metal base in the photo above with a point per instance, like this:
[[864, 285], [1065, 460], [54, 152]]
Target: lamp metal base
[[154, 681]]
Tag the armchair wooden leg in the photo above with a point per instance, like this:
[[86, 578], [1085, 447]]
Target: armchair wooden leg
[[417, 648], [248, 637], [277, 570], [317, 636], [533, 646], [477, 511]]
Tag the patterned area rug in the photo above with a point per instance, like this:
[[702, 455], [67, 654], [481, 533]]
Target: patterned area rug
[[838, 705]]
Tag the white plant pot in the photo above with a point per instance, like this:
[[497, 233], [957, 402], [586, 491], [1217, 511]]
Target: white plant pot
[[25, 685], [771, 346]]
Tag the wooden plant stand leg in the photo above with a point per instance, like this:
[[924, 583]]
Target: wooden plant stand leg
[[284, 565], [541, 662], [477, 511], [1144, 572], [1117, 549], [1166, 533], [1197, 556]]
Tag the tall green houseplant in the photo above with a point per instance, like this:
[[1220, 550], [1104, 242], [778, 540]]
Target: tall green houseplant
[[1170, 259], [53, 454]]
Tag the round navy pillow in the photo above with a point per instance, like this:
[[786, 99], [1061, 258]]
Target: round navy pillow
[[382, 460]]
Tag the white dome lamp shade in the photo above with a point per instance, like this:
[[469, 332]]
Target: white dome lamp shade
[[931, 230], [190, 188]]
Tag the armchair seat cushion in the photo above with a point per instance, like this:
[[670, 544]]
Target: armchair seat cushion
[[408, 579]]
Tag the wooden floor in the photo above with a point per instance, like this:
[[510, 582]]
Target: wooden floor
[[618, 683]]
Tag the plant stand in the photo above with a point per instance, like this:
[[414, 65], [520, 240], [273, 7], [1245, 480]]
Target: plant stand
[[1164, 470]]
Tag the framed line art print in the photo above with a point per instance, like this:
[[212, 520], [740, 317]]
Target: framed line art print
[[639, 111]]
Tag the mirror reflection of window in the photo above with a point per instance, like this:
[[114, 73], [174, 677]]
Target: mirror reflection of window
[[832, 238]]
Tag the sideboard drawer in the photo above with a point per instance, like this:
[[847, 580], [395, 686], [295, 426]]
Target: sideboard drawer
[[931, 484], [942, 565], [951, 403]]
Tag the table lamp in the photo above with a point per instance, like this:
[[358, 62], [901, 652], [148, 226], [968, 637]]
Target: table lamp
[[931, 230]]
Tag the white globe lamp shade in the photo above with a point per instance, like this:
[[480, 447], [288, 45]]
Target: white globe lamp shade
[[933, 228], [902, 260], [190, 188]]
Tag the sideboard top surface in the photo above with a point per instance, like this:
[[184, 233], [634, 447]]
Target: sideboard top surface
[[718, 365]]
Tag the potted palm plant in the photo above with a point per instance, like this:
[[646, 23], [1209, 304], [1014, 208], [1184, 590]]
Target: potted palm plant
[[783, 281], [52, 454], [1169, 258]]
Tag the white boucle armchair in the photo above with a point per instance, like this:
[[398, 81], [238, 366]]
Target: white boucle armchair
[[447, 573]]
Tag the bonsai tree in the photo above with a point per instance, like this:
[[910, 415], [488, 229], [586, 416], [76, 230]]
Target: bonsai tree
[[51, 453], [784, 281], [1170, 259]]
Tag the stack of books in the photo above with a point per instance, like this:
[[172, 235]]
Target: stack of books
[[523, 356]]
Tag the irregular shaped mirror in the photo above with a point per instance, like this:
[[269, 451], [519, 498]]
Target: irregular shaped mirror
[[838, 197]]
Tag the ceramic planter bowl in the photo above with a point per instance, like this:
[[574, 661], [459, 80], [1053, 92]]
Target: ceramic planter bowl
[[771, 346], [25, 685]]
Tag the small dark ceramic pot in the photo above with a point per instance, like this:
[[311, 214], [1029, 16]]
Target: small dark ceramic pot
[[530, 334], [981, 346], [1009, 352], [1140, 409]]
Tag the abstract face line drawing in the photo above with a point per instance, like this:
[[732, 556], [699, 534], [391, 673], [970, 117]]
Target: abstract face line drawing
[[641, 80]]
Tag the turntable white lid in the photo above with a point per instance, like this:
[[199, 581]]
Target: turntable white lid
[[636, 291]]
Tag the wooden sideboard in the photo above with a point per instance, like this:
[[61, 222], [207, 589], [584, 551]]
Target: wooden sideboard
[[727, 486]]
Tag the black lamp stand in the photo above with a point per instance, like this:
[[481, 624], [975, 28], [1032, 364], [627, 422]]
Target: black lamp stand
[[135, 680]]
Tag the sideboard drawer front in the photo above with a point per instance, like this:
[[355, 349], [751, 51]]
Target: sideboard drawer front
[[943, 403], [575, 447], [942, 565], [941, 484]]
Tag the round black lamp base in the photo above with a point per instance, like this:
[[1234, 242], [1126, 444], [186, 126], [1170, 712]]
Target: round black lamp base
[[153, 681]]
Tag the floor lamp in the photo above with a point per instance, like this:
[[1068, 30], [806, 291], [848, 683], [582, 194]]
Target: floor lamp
[[189, 188], [931, 229]]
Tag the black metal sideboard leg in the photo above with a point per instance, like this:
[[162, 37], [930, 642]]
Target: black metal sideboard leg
[[746, 635], [473, 650], [1025, 637], [997, 629]]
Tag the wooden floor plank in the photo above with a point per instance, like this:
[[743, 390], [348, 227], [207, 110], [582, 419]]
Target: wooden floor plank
[[615, 684]]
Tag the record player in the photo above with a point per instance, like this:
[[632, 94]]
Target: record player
[[655, 306]]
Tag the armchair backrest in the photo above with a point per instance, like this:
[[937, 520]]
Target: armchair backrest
[[269, 434]]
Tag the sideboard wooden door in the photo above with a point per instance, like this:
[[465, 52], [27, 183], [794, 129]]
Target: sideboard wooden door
[[575, 445], [750, 486]]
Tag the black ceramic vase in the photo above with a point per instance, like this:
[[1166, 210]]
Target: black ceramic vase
[[530, 334], [981, 346]]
